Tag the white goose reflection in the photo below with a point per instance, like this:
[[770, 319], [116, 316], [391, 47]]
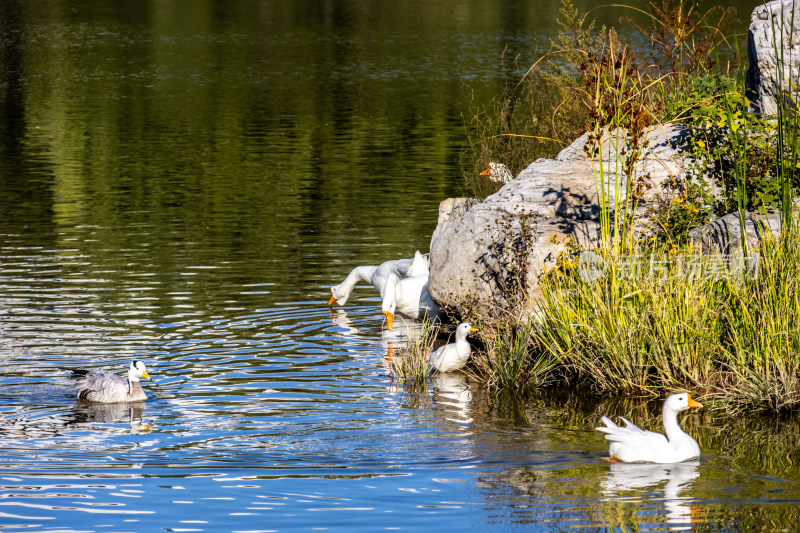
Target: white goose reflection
[[346, 326], [678, 477], [402, 330], [451, 392], [398, 337]]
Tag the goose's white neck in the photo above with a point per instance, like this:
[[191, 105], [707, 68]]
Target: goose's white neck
[[671, 428], [133, 375], [389, 301], [461, 336], [359, 273]]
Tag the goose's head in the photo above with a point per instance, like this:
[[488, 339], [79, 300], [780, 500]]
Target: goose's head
[[680, 402], [136, 371], [337, 299], [464, 329], [389, 303]]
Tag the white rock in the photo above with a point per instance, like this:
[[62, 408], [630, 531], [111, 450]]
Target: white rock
[[770, 22]]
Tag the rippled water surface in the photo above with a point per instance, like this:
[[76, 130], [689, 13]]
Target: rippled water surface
[[182, 184]]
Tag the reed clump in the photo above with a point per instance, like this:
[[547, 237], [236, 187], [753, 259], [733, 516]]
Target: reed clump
[[512, 358], [409, 363]]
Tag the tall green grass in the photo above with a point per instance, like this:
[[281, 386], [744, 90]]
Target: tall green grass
[[759, 358], [512, 359], [644, 327], [729, 330], [409, 364]]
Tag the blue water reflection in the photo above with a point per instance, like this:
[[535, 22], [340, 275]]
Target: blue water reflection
[[292, 424]]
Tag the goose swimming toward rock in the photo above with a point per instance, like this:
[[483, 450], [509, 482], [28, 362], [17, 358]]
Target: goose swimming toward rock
[[408, 297], [630, 444], [103, 387], [376, 275], [453, 356]]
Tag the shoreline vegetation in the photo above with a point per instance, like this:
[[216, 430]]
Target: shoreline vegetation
[[662, 317]]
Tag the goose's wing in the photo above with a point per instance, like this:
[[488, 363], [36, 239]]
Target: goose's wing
[[401, 266], [408, 295], [450, 357], [420, 266], [632, 444], [439, 355], [629, 434], [97, 385], [427, 307], [398, 267], [436, 353]]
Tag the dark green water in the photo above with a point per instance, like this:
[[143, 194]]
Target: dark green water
[[181, 182]]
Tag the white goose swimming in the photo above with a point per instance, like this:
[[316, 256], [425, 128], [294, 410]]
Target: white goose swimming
[[630, 444], [100, 386], [453, 356], [408, 297], [377, 275]]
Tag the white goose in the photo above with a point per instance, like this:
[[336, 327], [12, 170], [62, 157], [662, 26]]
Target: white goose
[[377, 275], [100, 386], [453, 356], [630, 444], [408, 297], [498, 173]]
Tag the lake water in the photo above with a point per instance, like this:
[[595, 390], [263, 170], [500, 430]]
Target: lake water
[[181, 183]]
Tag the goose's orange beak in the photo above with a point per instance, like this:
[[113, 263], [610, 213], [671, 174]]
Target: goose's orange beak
[[389, 318], [473, 328], [692, 402], [332, 300], [487, 172]]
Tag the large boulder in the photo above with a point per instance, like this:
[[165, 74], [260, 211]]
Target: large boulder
[[724, 236], [769, 23], [485, 253]]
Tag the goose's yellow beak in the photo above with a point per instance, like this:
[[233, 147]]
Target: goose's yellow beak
[[487, 172], [473, 328], [389, 318], [145, 374], [692, 402]]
